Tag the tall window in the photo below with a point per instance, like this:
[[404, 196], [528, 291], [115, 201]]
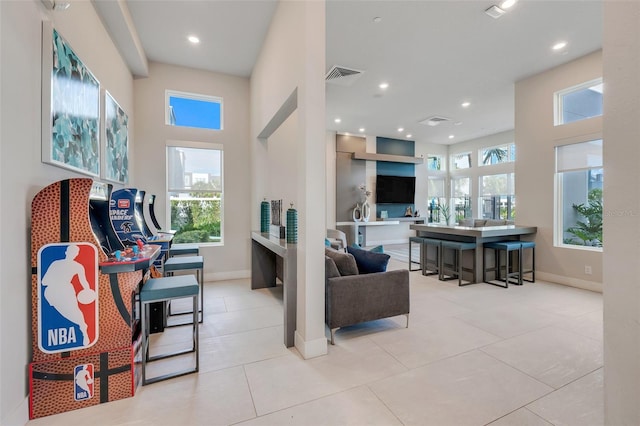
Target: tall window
[[579, 176], [195, 192], [436, 196], [497, 199], [578, 102], [193, 110], [497, 154], [461, 198]]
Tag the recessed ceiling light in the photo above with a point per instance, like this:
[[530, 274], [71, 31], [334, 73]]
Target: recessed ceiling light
[[361, 129], [401, 129], [337, 120], [409, 135], [466, 104], [377, 19], [559, 45], [506, 4], [383, 85], [451, 136], [193, 39]]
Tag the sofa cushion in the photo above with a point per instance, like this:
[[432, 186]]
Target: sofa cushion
[[345, 262], [376, 249], [466, 222], [330, 268], [495, 222], [479, 223], [368, 261]]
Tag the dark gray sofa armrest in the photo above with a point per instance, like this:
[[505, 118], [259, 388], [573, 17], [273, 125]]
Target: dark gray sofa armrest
[[357, 298]]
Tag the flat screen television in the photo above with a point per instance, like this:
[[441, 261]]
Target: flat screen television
[[395, 189]]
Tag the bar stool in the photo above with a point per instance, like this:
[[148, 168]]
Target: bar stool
[[431, 266], [508, 247], [455, 269], [163, 290], [187, 263], [420, 241], [528, 245], [184, 249]]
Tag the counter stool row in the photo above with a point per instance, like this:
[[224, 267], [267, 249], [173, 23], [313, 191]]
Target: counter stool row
[[454, 268]]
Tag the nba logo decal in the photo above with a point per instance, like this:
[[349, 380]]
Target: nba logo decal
[[67, 296], [83, 382]]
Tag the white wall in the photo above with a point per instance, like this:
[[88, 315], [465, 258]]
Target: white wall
[[22, 174], [330, 160], [621, 58], [291, 61], [536, 137], [232, 259]]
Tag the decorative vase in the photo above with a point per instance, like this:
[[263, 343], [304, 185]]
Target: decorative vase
[[365, 211], [265, 216], [292, 225], [357, 213]]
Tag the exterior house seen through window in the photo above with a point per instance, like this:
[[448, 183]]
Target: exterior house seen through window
[[195, 193], [579, 102]]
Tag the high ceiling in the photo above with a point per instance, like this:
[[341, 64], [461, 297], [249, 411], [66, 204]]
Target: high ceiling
[[433, 54]]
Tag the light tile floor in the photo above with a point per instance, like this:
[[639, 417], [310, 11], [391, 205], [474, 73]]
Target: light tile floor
[[475, 355]]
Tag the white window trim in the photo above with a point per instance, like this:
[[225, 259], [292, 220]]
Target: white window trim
[[195, 96], [558, 217], [557, 99], [509, 158], [197, 145]]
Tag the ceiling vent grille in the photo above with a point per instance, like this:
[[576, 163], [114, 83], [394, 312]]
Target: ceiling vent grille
[[342, 76], [434, 120]]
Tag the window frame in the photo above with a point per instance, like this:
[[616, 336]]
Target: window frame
[[510, 194], [460, 154], [558, 116], [168, 111], [558, 211], [510, 148], [168, 190]]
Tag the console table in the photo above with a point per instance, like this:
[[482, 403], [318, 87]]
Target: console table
[[265, 252]]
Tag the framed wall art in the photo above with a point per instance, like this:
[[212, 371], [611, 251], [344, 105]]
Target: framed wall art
[[70, 107], [116, 142]]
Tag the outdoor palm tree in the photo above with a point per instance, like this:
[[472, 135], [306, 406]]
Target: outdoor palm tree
[[494, 156]]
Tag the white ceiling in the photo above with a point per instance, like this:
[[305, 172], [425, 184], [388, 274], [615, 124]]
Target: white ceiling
[[433, 54]]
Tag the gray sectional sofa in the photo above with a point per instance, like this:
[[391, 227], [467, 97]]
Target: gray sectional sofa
[[477, 223]]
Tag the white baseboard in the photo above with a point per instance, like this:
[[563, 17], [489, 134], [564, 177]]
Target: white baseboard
[[230, 275], [312, 348], [568, 281], [20, 415]]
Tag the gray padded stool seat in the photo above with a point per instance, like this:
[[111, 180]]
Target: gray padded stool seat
[[528, 245], [455, 269], [184, 249], [187, 263], [507, 247], [162, 290]]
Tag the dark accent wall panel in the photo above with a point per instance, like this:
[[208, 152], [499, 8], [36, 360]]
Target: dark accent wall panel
[[394, 147]]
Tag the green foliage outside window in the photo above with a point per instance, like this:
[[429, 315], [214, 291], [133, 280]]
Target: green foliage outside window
[[588, 231], [197, 218]]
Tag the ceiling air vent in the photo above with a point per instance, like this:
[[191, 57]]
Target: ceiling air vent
[[342, 76], [434, 120]]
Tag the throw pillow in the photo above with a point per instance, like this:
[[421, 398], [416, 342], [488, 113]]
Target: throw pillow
[[327, 242], [466, 222], [493, 222], [376, 249], [330, 268], [369, 262], [345, 262]]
